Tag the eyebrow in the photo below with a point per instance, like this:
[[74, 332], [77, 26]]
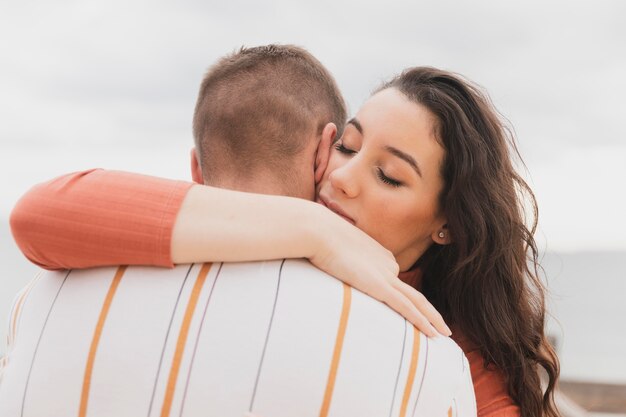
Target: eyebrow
[[354, 122], [405, 157], [394, 151]]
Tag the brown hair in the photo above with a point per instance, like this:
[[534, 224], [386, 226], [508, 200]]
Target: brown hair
[[486, 282], [258, 107]]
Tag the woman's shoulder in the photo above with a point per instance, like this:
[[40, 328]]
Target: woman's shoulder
[[490, 387]]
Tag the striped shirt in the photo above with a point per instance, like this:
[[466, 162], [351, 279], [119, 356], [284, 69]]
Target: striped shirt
[[277, 338]]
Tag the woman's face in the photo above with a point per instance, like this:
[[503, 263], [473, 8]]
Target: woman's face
[[384, 176]]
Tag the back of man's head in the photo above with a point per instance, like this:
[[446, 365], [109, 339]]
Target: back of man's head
[[258, 111]]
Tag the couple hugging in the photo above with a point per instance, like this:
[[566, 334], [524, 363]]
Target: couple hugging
[[413, 202]]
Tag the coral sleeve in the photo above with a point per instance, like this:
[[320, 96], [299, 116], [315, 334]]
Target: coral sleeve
[[97, 218]]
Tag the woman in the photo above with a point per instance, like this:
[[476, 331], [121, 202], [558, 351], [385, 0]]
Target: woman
[[425, 169]]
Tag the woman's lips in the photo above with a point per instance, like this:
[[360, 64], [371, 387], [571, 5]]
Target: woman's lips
[[335, 208]]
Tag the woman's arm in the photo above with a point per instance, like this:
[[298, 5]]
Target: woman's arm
[[98, 217]]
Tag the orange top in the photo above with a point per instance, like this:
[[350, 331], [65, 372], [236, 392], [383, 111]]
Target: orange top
[[97, 218]]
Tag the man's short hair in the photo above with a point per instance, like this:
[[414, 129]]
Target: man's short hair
[[259, 107]]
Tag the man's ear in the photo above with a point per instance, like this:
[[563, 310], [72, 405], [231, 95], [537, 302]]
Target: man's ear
[[196, 170], [323, 150], [441, 236]]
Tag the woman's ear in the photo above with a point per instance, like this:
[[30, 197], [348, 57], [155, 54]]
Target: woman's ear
[[196, 170], [441, 236], [323, 150]]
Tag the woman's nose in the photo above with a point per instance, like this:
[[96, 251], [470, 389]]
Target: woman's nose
[[345, 179]]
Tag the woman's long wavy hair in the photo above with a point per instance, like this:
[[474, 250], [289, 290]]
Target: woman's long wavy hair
[[486, 282]]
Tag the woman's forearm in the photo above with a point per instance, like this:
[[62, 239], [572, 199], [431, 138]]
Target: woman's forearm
[[222, 225]]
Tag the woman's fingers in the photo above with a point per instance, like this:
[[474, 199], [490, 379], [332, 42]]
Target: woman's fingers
[[357, 259], [403, 305], [424, 306]]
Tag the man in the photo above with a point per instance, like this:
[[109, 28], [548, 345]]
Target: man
[[264, 121]]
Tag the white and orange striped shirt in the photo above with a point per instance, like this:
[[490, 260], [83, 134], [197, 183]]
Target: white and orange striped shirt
[[277, 338]]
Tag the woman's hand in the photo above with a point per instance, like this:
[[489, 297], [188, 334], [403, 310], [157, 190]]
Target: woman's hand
[[349, 254]]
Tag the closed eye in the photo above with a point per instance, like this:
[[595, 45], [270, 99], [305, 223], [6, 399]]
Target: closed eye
[[339, 146], [387, 180]]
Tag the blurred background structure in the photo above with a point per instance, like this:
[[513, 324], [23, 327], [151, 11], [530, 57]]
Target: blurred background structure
[[113, 84]]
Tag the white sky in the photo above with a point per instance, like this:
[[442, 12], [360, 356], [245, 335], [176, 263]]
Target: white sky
[[113, 84]]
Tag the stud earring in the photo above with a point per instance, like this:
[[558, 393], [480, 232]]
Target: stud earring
[[441, 235]]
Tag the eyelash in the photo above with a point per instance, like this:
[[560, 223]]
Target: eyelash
[[386, 179], [379, 172], [339, 146]]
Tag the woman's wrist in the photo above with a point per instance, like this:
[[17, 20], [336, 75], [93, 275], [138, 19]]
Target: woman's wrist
[[314, 225]]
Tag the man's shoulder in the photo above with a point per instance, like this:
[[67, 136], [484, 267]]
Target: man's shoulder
[[306, 328]]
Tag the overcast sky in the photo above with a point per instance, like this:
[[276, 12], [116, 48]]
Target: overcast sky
[[113, 84]]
